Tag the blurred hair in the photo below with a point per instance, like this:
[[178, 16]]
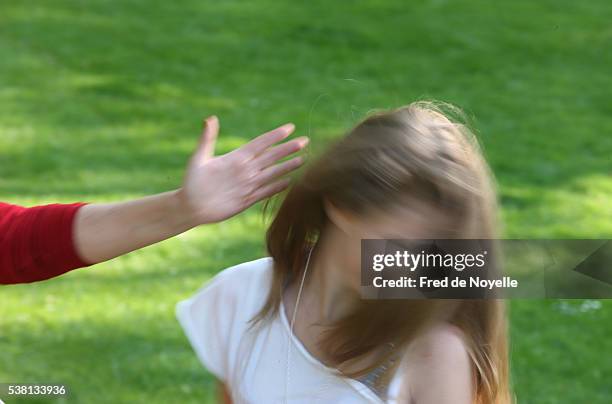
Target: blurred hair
[[424, 150]]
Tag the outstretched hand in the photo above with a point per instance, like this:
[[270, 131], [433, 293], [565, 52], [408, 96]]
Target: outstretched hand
[[218, 187]]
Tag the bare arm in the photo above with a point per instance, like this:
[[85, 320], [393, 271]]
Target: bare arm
[[439, 370], [215, 188]]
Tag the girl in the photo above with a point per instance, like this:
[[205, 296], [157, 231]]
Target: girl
[[292, 328]]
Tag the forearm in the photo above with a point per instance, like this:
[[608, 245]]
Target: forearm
[[105, 231]]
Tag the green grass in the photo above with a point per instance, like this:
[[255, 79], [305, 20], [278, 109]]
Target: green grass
[[102, 100]]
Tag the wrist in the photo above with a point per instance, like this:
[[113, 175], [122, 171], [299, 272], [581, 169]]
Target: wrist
[[182, 212]]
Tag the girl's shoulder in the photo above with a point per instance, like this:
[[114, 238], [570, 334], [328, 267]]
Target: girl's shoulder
[[244, 277], [240, 290], [438, 364]]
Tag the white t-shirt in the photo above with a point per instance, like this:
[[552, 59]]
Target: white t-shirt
[[266, 363]]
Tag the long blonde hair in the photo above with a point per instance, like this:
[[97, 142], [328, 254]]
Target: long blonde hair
[[422, 150]]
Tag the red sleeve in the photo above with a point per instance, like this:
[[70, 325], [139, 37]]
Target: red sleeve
[[37, 243]]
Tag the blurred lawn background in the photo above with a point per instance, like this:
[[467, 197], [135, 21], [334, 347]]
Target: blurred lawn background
[[103, 100]]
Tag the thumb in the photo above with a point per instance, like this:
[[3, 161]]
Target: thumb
[[206, 148]]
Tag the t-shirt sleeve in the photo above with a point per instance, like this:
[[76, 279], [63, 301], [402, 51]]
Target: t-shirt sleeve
[[206, 319], [37, 243]]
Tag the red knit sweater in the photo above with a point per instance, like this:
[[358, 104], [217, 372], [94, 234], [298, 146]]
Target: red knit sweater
[[36, 243]]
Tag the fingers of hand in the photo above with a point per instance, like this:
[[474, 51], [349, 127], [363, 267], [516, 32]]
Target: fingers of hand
[[275, 171], [262, 142], [273, 154], [267, 191], [206, 149]]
